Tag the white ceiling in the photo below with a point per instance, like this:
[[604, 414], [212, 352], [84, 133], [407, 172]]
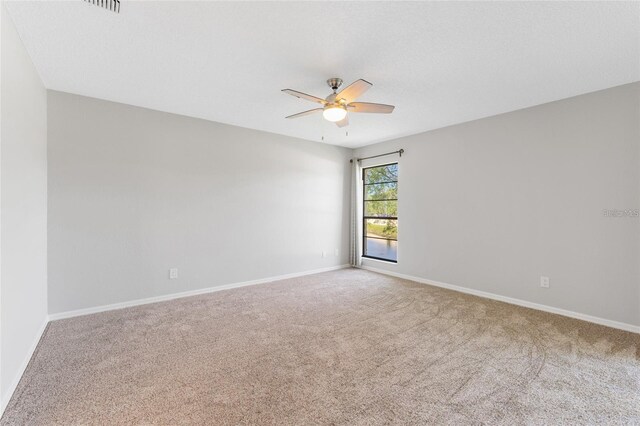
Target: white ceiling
[[440, 63]]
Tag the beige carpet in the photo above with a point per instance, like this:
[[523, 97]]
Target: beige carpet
[[345, 347]]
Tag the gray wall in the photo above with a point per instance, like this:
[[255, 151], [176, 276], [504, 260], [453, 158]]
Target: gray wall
[[134, 192], [23, 197], [494, 204]]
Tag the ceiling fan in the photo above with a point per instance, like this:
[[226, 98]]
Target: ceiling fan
[[337, 104]]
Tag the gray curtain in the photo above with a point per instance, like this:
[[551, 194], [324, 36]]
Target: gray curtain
[[356, 206]]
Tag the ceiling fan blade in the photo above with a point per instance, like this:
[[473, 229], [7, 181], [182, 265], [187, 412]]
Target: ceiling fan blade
[[304, 96], [344, 122], [354, 90], [302, 114], [369, 107]]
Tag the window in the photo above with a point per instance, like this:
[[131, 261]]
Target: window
[[380, 212]]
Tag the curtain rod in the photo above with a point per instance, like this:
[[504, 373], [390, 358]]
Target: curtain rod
[[400, 152]]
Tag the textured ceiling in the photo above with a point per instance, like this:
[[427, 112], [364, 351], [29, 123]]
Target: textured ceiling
[[440, 63]]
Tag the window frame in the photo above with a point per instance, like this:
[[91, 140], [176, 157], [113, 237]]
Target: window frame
[[365, 217]]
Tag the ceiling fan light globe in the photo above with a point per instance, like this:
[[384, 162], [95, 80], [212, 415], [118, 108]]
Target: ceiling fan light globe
[[334, 113]]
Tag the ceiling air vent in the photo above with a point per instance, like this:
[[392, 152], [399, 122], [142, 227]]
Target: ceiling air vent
[[112, 5]]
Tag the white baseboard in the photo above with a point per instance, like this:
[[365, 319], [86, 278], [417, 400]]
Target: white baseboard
[[513, 301], [163, 298], [23, 366]]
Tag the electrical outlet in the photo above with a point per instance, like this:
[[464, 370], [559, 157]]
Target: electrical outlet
[[544, 282], [324, 253], [337, 252], [173, 273]]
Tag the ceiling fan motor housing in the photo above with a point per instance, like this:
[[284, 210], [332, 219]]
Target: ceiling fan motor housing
[[334, 83]]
